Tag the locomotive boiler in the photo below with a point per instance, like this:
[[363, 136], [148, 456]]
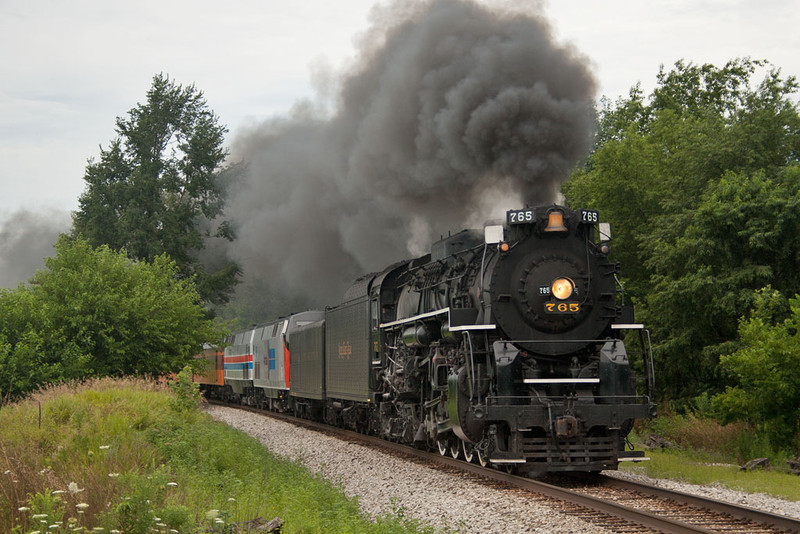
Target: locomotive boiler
[[506, 346]]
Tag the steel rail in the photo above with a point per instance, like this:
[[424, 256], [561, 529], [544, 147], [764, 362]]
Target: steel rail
[[770, 519], [633, 515]]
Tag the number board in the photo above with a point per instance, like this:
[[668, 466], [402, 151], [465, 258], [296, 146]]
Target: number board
[[562, 307], [525, 216], [590, 216]]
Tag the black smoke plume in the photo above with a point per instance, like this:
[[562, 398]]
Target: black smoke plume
[[452, 114], [26, 239]]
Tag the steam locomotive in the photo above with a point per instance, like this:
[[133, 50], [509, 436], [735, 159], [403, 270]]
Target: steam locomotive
[[503, 346]]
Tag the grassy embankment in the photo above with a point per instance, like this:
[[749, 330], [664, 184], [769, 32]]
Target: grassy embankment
[[706, 452], [129, 456]]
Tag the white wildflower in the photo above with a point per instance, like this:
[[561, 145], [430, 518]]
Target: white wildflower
[[105, 447], [211, 514], [73, 488], [23, 509], [81, 506]]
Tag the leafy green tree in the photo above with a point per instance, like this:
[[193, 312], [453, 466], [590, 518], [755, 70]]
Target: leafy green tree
[[95, 312], [700, 180], [743, 235], [158, 187], [767, 386]]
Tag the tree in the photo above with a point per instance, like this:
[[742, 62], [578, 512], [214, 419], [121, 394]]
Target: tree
[[158, 187], [700, 180], [95, 312], [743, 234], [767, 386]]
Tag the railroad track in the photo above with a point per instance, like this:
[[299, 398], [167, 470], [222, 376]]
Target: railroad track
[[617, 505]]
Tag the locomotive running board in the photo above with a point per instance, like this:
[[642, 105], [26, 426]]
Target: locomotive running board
[[436, 313], [561, 381]]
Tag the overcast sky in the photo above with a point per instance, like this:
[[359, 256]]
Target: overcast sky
[[68, 68]]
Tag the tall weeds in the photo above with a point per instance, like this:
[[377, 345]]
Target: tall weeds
[[133, 456]]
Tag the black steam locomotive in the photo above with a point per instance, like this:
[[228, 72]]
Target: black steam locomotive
[[504, 346]]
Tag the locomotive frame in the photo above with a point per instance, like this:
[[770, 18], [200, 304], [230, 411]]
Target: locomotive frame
[[504, 346]]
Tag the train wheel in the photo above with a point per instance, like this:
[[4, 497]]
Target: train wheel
[[455, 447], [441, 444], [469, 451], [483, 459]]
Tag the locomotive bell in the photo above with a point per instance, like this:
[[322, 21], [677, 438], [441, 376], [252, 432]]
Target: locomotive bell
[[555, 222]]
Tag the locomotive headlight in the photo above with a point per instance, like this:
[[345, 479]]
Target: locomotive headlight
[[562, 288]]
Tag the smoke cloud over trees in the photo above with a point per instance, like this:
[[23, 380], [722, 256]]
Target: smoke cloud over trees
[[452, 114], [26, 238]]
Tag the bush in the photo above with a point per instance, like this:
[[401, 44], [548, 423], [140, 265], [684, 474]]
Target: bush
[[94, 312], [187, 392], [767, 390]]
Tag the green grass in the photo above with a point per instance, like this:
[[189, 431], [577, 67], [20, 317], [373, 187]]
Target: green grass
[[706, 453], [125, 456], [679, 465]]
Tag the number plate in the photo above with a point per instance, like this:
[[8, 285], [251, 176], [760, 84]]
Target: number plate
[[590, 216], [562, 307], [519, 216]]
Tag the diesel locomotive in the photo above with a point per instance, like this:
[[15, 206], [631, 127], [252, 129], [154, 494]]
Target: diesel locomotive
[[505, 346]]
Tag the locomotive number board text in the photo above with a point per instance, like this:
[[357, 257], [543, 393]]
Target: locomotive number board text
[[519, 216], [562, 307]]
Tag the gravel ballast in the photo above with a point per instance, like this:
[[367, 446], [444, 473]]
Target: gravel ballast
[[385, 483]]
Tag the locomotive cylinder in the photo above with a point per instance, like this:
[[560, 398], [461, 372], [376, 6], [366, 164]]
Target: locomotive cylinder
[[419, 335]]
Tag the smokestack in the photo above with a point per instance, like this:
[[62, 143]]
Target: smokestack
[[452, 114]]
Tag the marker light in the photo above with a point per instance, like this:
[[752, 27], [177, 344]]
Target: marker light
[[504, 247], [562, 288]]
